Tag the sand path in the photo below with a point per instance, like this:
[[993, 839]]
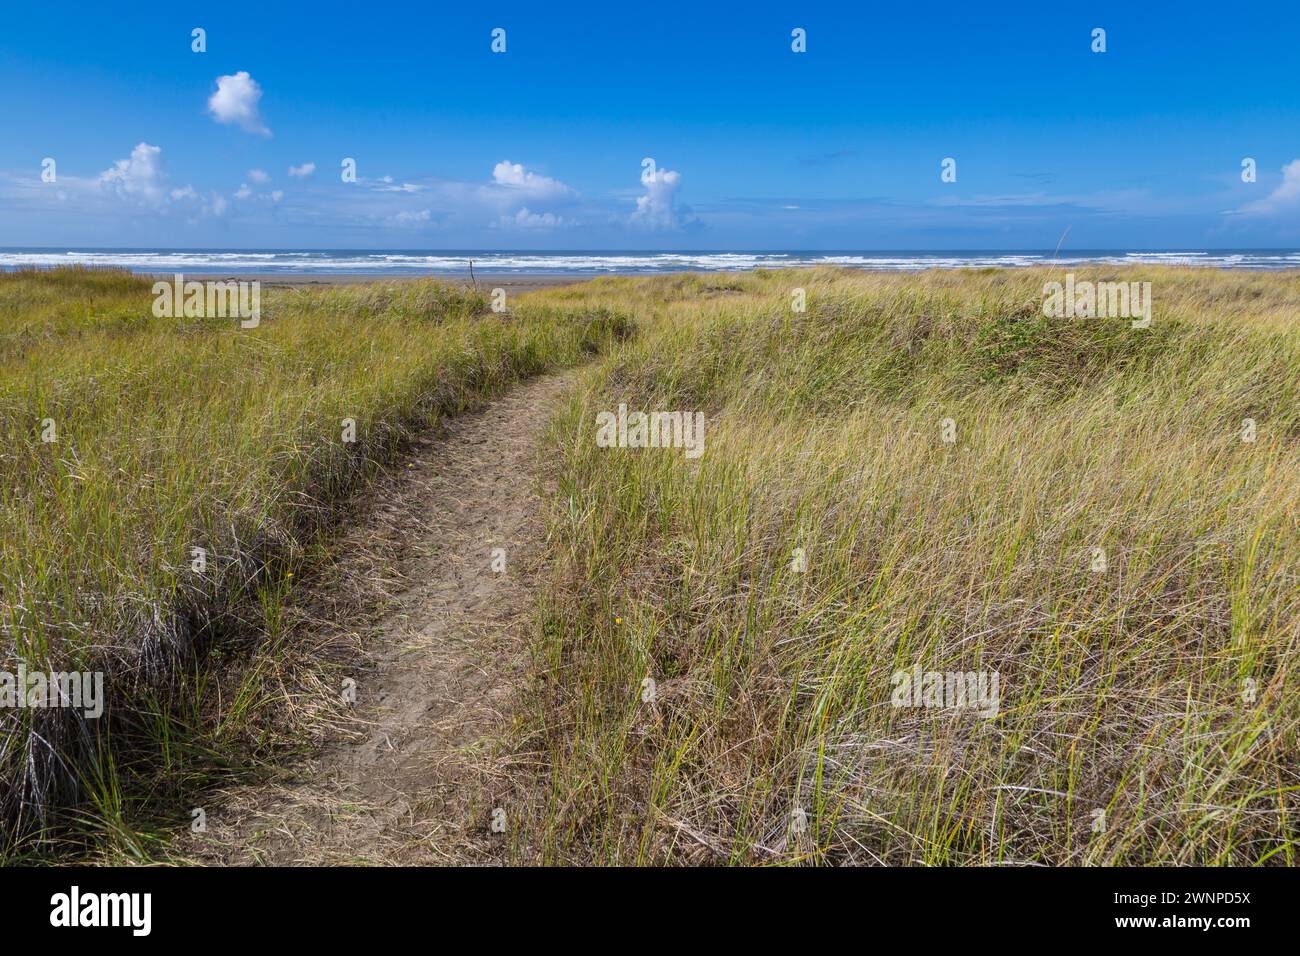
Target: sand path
[[412, 780]]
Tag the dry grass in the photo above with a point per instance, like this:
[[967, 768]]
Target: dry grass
[[175, 434], [1148, 712]]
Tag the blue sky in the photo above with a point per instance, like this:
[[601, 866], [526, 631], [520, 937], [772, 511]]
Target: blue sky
[[754, 146]]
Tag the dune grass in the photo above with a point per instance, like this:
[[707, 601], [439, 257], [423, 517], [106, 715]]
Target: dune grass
[[719, 639], [713, 671], [171, 435]]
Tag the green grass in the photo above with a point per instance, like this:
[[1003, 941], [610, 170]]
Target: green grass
[[1127, 731], [176, 434], [1159, 695]]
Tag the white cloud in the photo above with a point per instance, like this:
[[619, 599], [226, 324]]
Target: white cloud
[[129, 188], [515, 177], [140, 180], [235, 101], [245, 191], [140, 177], [1285, 196], [508, 196], [386, 185], [524, 219], [656, 209]]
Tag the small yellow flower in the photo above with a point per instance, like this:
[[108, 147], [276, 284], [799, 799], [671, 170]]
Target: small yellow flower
[[618, 620]]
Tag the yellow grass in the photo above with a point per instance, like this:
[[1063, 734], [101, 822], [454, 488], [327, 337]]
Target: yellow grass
[[170, 435], [1148, 711]]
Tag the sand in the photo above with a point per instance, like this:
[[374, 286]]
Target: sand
[[412, 777], [514, 283]]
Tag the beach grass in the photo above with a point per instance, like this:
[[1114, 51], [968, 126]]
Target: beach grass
[[909, 475], [925, 474], [164, 477]]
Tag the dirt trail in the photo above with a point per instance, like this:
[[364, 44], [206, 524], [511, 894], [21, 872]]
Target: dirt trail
[[414, 783]]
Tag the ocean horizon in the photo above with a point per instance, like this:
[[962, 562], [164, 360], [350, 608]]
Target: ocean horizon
[[413, 262]]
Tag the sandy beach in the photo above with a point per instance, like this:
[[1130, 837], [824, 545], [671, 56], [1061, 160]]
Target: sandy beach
[[513, 284]]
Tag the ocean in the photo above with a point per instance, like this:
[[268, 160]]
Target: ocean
[[411, 262]]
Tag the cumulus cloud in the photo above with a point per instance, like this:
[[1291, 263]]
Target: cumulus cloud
[[507, 196], [513, 197], [656, 208], [235, 101], [140, 180], [139, 177], [1285, 196], [515, 177]]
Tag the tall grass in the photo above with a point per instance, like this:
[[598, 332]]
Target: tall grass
[[179, 434], [1148, 711]]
